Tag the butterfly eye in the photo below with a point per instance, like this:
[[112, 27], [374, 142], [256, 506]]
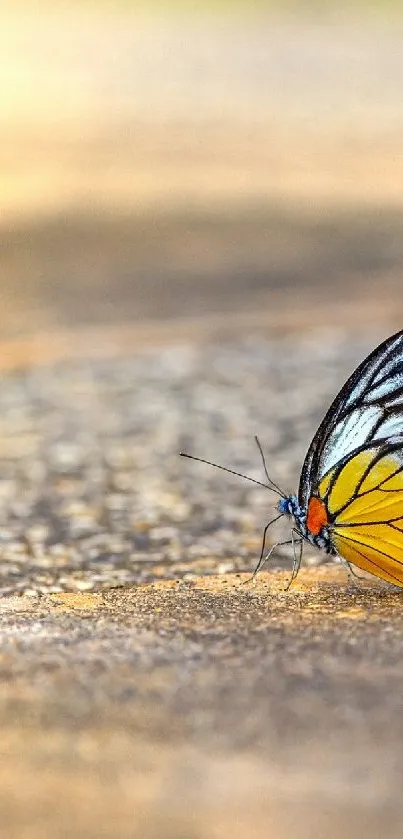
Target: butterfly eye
[[283, 506]]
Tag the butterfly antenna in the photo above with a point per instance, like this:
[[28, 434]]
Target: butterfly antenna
[[270, 480], [232, 472]]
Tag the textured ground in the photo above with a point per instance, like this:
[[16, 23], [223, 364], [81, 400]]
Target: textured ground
[[204, 708], [193, 706]]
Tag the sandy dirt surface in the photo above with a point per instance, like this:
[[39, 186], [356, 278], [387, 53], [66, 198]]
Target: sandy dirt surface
[[204, 708]]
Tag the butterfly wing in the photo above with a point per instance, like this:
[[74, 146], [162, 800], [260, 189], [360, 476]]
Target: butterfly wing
[[355, 464], [364, 498], [368, 410]]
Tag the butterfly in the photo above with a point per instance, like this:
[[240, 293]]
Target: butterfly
[[350, 496]]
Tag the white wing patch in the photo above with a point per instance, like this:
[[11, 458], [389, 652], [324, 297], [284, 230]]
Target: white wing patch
[[397, 402], [359, 388], [386, 387], [390, 427], [369, 408], [383, 368], [388, 361], [348, 435]]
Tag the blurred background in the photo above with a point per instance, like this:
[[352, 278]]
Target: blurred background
[[172, 159], [172, 169]]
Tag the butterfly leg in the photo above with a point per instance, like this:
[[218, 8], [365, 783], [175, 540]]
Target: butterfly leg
[[263, 559], [297, 559], [351, 570]]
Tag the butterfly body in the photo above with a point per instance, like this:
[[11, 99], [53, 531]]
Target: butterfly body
[[312, 523]]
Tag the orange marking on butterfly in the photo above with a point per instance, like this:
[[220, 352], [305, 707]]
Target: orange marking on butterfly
[[317, 515]]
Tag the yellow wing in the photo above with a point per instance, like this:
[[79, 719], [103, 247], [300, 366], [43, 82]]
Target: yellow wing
[[365, 504]]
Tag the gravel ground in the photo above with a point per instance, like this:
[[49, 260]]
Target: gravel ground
[[93, 493]]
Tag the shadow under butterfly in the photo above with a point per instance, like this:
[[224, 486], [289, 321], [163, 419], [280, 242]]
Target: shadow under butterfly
[[350, 496]]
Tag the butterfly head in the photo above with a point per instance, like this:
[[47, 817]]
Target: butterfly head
[[289, 506]]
